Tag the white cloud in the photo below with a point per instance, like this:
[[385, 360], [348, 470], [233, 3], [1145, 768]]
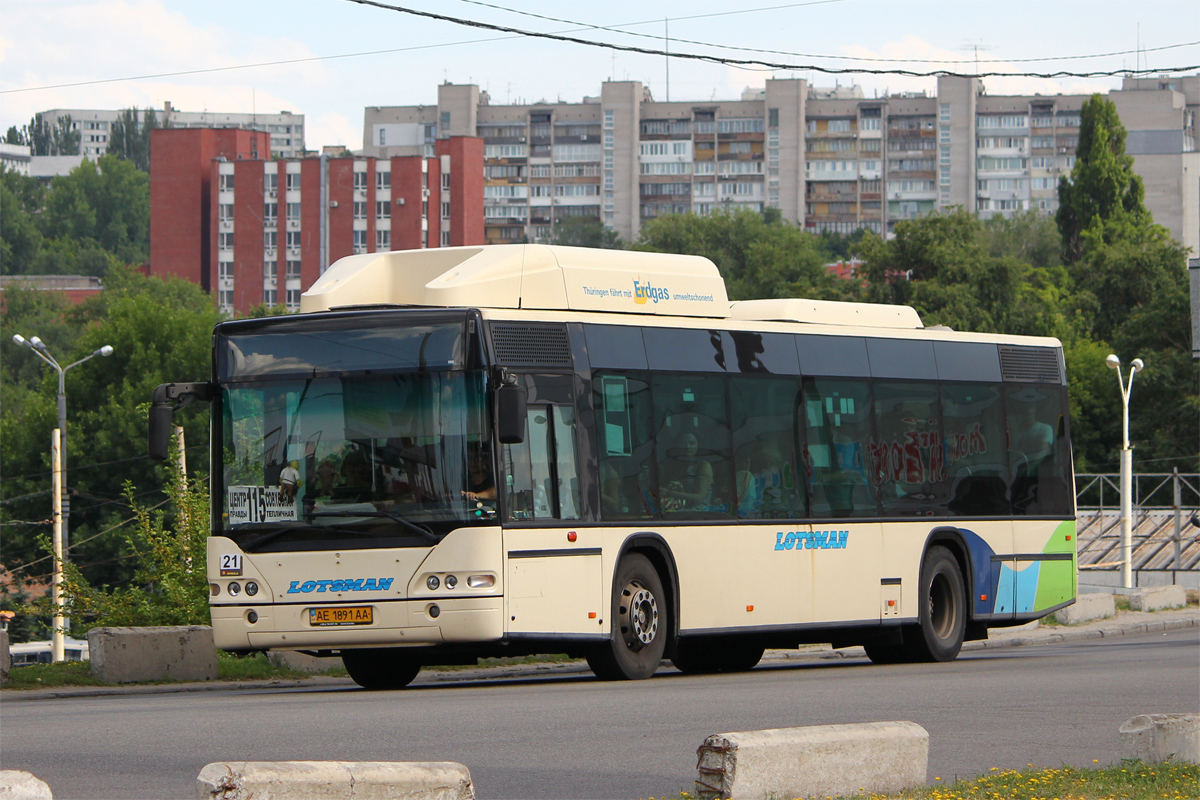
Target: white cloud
[[332, 129]]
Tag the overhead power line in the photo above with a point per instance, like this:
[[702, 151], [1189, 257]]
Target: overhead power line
[[734, 62], [617, 29]]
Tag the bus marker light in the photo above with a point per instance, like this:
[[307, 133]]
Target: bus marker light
[[983, 598], [1068, 537], [591, 615], [215, 588], [434, 611], [749, 608], [432, 582], [891, 603], [451, 581], [481, 581], [572, 536]]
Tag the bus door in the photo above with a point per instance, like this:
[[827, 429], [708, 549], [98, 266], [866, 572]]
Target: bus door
[[553, 565]]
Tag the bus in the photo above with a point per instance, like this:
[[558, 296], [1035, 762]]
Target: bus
[[507, 450]]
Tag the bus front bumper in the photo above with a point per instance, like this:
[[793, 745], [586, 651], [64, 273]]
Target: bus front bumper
[[394, 623]]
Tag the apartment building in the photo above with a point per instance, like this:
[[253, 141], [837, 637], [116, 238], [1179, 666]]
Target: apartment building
[[285, 129], [828, 159], [253, 230]]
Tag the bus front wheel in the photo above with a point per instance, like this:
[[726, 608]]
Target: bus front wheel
[[942, 610], [382, 668], [639, 624]]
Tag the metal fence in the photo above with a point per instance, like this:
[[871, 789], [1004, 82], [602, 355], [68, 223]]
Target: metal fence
[[1165, 520]]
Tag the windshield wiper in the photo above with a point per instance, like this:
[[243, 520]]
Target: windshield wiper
[[411, 527], [271, 535]]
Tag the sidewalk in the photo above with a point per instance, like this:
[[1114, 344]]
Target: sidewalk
[[1125, 623]]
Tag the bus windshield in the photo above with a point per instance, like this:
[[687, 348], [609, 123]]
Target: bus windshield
[[365, 459]]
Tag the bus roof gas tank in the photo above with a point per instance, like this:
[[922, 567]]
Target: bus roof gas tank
[[525, 276]]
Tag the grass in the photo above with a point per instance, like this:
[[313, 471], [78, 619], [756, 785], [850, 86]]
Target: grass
[[1128, 780]]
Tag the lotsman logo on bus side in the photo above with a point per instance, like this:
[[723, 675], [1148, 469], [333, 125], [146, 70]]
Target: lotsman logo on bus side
[[811, 540], [347, 585], [643, 291]]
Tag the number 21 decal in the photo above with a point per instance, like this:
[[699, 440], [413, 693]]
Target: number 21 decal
[[231, 564]]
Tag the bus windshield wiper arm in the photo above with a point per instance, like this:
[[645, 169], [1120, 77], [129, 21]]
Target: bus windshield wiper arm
[[275, 534], [411, 527]]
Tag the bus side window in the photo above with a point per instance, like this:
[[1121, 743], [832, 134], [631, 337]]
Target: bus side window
[[542, 474], [836, 415], [628, 474]]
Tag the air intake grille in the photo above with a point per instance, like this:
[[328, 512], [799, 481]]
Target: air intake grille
[[531, 345], [1030, 364]]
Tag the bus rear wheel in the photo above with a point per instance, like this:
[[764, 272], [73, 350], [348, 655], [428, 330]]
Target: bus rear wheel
[[701, 656], [383, 668], [942, 610], [640, 622]]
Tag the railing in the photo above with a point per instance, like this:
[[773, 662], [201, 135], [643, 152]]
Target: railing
[[1150, 490], [1165, 513]]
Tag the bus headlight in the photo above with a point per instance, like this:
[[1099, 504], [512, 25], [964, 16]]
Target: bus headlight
[[481, 581], [451, 581], [251, 588], [234, 589], [432, 582]]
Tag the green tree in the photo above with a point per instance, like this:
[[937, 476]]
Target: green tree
[[107, 203], [585, 232], [45, 139], [1103, 189], [20, 239], [13, 136], [129, 138]]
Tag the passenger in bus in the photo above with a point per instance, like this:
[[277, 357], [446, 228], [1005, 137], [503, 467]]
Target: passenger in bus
[[686, 479], [289, 481], [1033, 440]]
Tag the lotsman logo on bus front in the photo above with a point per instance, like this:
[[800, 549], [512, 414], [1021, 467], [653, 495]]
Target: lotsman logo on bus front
[[643, 291], [811, 540], [347, 585]]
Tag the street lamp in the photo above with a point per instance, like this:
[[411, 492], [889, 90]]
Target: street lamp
[[61, 508], [1136, 366]]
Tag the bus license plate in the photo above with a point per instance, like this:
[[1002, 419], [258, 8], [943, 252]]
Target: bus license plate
[[349, 615]]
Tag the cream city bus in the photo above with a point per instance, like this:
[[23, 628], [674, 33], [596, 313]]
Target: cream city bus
[[517, 449]]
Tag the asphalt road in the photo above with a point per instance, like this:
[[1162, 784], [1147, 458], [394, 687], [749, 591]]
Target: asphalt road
[[570, 736]]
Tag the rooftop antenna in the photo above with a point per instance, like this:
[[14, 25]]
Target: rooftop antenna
[[976, 47]]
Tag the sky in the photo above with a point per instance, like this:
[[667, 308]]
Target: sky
[[222, 55]]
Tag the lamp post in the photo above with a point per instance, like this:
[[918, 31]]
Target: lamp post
[[1126, 468], [59, 457]]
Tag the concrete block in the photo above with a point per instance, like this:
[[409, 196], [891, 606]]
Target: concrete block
[[1154, 598], [182, 653], [5, 657], [1154, 738], [1087, 607], [18, 785], [327, 780], [300, 662], [818, 761]]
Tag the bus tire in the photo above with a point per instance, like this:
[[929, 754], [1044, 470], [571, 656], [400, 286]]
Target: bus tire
[[706, 655], [886, 653], [382, 668], [941, 610], [640, 624]]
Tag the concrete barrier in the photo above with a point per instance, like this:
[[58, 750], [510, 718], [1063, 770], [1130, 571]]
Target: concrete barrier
[[817, 761], [182, 653], [1154, 738], [327, 780], [1156, 597], [18, 785], [5, 657], [1088, 607]]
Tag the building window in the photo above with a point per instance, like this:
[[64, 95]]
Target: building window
[[445, 238], [225, 270], [293, 181], [225, 182], [293, 269], [382, 209], [270, 213], [360, 206], [382, 137], [445, 211], [383, 180], [293, 212], [225, 299], [360, 241], [225, 241], [293, 299], [383, 241], [269, 268], [446, 181], [270, 241], [270, 297], [360, 180], [293, 240], [270, 181]]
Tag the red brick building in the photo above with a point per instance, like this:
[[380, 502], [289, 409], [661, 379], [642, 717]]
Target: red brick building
[[253, 230]]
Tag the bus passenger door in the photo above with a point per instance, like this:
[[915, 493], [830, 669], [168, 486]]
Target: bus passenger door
[[554, 581]]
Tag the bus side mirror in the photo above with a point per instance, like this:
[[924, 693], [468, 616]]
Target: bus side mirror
[[167, 399], [511, 407]]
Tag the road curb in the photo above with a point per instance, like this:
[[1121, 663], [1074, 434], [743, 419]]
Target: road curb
[[1182, 619]]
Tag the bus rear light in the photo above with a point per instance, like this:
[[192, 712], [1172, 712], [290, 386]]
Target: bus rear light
[[481, 581]]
